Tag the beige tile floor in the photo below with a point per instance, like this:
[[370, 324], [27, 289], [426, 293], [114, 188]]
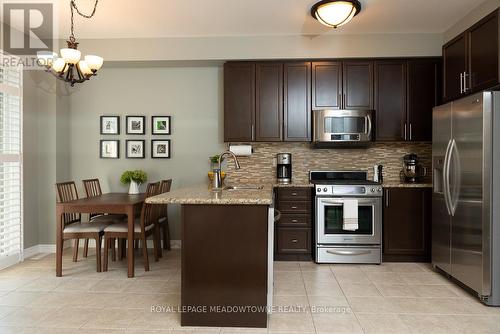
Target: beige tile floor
[[390, 298]]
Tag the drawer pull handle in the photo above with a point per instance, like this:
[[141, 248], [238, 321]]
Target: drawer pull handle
[[294, 241], [294, 194], [295, 221], [339, 252], [294, 207]]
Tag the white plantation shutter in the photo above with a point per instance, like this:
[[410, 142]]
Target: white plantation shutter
[[11, 243]]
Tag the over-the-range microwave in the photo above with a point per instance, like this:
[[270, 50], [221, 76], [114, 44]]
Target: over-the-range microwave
[[342, 128]]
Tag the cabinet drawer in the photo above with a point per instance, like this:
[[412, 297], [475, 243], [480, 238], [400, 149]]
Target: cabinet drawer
[[287, 194], [294, 220], [294, 207], [294, 240]]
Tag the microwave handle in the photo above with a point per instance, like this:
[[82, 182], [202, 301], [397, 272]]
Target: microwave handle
[[369, 121]]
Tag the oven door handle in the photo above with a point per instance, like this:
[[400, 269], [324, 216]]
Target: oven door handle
[[331, 201], [348, 252]]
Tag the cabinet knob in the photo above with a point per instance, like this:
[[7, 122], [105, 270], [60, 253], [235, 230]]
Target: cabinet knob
[[294, 194], [295, 221], [294, 207], [294, 241]]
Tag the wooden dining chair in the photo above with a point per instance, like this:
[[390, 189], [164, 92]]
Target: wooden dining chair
[[144, 227], [163, 215], [74, 228], [93, 188]]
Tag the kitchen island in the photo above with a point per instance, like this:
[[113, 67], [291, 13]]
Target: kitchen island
[[226, 254]]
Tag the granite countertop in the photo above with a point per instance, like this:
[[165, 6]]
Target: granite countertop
[[406, 185], [202, 194]]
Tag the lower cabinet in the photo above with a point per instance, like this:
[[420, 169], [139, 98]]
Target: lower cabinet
[[293, 232], [407, 224]]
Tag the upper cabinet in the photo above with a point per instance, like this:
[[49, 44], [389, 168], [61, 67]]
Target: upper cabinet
[[471, 60], [267, 101], [297, 104], [239, 101], [342, 85]]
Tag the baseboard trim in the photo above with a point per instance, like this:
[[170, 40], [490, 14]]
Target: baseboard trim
[[51, 248]]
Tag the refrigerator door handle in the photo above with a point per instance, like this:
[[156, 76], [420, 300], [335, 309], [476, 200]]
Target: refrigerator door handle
[[455, 159], [446, 178]]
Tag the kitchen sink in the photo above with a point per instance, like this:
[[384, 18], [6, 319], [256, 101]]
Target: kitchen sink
[[243, 187]]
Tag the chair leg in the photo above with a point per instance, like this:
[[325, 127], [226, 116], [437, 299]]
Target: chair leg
[[106, 251], [120, 250], [136, 244], [75, 249], [156, 242], [86, 248], [166, 235], [98, 253], [145, 252], [113, 250]]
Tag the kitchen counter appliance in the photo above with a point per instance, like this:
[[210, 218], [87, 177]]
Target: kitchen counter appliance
[[348, 218], [466, 189], [284, 168], [334, 128], [413, 171]]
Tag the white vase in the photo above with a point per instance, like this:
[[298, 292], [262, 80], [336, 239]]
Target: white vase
[[134, 188]]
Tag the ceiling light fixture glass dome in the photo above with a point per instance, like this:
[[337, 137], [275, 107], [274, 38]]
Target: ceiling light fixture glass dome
[[335, 13]]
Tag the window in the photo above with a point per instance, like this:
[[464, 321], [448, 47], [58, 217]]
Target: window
[[11, 159]]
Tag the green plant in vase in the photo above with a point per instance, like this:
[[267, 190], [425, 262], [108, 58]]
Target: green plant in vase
[[135, 178], [214, 164]]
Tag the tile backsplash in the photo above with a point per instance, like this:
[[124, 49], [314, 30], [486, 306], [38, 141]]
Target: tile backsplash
[[261, 165]]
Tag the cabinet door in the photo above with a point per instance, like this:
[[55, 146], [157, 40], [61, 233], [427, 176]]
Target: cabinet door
[[327, 85], [357, 85], [406, 225], [454, 64], [269, 102], [424, 77], [297, 101], [390, 97], [239, 101], [483, 53]]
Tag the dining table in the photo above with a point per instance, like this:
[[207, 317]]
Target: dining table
[[112, 203]]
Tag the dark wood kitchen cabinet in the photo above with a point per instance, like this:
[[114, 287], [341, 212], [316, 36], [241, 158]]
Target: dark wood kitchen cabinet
[[342, 85], [297, 101], [239, 101], [406, 224], [424, 93], [471, 60], [390, 100], [293, 232], [269, 102]]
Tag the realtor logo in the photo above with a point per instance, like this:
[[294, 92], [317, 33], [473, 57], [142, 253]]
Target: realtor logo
[[27, 27]]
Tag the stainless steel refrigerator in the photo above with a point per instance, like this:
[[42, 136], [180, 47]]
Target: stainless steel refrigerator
[[466, 193]]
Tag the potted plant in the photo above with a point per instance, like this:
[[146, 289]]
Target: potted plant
[[135, 178], [214, 164]]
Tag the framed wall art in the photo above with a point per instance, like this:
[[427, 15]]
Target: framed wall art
[[109, 149], [160, 125], [110, 125], [136, 125], [160, 149], [135, 149]]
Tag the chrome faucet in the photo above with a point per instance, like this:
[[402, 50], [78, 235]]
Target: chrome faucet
[[217, 182]]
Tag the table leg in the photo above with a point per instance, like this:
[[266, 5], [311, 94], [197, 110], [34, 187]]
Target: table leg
[[59, 241], [130, 241]]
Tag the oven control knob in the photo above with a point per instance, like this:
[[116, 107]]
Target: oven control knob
[[379, 190], [325, 190], [373, 190], [318, 190]]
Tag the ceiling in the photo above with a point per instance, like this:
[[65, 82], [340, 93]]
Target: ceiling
[[210, 18]]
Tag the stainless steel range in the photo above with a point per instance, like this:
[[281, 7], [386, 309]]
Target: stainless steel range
[[348, 222]]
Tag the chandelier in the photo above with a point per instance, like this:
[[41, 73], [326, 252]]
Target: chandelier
[[334, 13], [70, 67]]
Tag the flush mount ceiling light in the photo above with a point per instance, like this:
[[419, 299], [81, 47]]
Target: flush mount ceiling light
[[69, 67], [334, 13]]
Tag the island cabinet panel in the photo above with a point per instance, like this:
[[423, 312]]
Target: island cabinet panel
[[327, 85], [357, 84], [224, 264], [390, 97], [406, 224], [297, 101], [293, 232], [239, 101], [269, 102]]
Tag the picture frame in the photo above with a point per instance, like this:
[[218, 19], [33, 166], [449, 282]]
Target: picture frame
[[109, 149], [160, 149], [135, 149], [161, 125], [136, 125], [110, 125]]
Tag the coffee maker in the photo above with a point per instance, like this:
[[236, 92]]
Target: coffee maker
[[284, 168], [413, 171]]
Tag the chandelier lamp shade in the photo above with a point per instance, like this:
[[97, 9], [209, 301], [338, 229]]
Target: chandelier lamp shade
[[69, 66], [335, 13]]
